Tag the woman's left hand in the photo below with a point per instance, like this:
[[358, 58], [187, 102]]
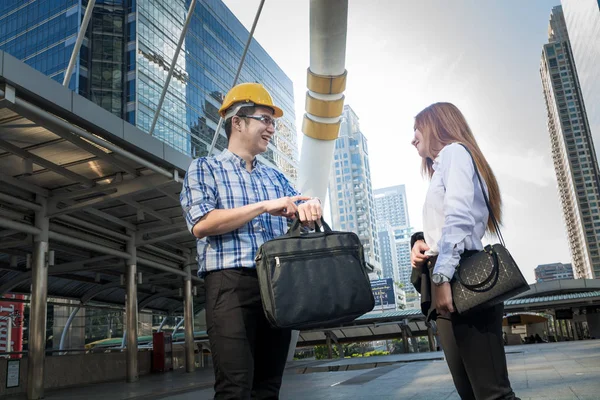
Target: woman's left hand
[[443, 299]]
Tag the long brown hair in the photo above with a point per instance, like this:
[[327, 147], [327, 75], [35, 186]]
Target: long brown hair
[[442, 124]]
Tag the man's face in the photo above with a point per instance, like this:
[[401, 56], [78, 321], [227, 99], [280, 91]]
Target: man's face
[[258, 130]]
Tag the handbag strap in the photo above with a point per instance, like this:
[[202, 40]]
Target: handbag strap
[[485, 197]]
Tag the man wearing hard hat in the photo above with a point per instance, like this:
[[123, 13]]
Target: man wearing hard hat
[[233, 203]]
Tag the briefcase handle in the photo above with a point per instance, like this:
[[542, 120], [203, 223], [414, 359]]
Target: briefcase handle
[[296, 228]]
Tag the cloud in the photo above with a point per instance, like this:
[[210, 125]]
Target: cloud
[[530, 167]]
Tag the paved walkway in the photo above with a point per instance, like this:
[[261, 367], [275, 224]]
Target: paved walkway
[[567, 370]]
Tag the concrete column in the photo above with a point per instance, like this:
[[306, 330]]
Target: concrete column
[[37, 313], [131, 312], [593, 323], [329, 349], [188, 316], [405, 340], [556, 329], [431, 339]]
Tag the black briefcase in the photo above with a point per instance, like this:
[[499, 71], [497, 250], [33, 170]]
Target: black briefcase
[[313, 280]]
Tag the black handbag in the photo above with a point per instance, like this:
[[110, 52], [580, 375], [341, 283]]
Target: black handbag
[[486, 278], [313, 279]]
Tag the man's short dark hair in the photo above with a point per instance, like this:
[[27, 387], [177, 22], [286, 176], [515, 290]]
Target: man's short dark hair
[[242, 111]]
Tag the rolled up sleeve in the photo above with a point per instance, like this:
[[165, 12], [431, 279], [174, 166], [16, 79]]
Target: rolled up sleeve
[[199, 193], [458, 173]]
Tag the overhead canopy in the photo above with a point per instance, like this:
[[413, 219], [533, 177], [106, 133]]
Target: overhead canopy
[[102, 182]]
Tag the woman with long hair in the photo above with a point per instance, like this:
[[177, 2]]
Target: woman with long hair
[[455, 219]]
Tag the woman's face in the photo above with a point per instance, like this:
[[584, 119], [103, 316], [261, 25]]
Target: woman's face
[[419, 144]]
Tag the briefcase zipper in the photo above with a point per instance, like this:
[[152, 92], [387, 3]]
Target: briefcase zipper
[[312, 253]]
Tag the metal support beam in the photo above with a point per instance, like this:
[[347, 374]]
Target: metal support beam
[[132, 313], [80, 36], [21, 184], [188, 316], [163, 238], [65, 331], [162, 323], [46, 164], [18, 226], [37, 315], [93, 227], [157, 295], [186, 25], [22, 104], [239, 70], [20, 202]]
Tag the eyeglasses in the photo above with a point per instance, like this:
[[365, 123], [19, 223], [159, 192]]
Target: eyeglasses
[[265, 119]]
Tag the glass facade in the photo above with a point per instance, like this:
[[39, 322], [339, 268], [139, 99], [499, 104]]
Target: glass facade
[[391, 208], [583, 24], [573, 152], [127, 54], [350, 189]]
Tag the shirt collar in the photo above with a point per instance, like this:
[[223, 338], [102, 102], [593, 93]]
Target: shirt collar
[[227, 155], [438, 159]]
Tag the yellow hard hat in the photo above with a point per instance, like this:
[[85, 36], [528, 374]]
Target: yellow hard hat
[[254, 94]]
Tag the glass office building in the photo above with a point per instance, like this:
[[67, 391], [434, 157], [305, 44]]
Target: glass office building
[[582, 18], [573, 152], [127, 53], [350, 189]]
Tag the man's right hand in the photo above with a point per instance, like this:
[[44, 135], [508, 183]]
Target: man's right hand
[[284, 206], [417, 254]]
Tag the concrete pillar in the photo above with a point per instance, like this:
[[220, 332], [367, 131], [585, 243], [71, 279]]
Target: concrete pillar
[[405, 340], [131, 312], [188, 316], [329, 349], [593, 323], [37, 313], [431, 339], [556, 330]]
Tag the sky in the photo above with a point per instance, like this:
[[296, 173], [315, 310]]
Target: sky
[[402, 56]]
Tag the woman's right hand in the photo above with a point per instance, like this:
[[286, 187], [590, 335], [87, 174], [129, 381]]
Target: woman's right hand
[[417, 254]]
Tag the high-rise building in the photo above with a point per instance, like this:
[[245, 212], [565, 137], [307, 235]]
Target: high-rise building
[[573, 152], [350, 189], [391, 209], [127, 53], [582, 18], [387, 251], [551, 272]]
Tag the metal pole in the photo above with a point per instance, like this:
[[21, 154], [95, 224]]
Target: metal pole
[[131, 310], [173, 65], [188, 316], [177, 326], [21, 202], [162, 324], [66, 329], [37, 316], [84, 24], [237, 74]]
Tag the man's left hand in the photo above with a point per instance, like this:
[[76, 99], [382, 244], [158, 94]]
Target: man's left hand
[[443, 299], [310, 211]]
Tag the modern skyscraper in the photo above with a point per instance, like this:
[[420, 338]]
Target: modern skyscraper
[[573, 152], [551, 272], [387, 251], [391, 209], [127, 53], [582, 18], [350, 189]]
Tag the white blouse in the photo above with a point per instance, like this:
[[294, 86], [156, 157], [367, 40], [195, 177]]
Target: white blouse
[[455, 215]]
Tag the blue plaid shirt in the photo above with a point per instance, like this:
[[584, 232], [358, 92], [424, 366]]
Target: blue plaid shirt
[[222, 182]]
